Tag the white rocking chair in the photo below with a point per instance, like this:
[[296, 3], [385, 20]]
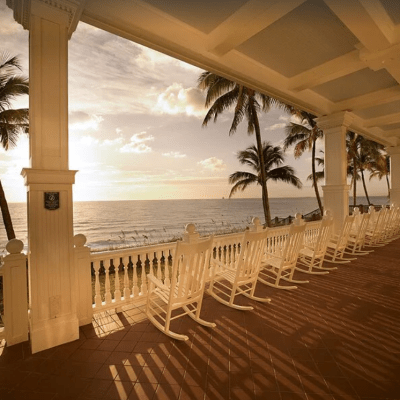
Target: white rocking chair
[[311, 256], [228, 282], [337, 245], [358, 233], [275, 266], [189, 271]]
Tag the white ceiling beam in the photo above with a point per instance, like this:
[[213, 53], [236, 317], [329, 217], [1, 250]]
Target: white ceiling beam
[[378, 13], [250, 19], [360, 23], [384, 120], [376, 98], [394, 69], [326, 72]]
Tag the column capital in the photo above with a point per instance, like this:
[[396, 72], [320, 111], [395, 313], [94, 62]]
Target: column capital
[[340, 119], [66, 11], [42, 176]]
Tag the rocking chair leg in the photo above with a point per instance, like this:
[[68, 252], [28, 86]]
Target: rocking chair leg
[[251, 295], [165, 329], [197, 318], [228, 303], [276, 284]]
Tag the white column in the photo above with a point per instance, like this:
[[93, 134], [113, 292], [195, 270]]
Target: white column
[[336, 190], [394, 153], [52, 288]]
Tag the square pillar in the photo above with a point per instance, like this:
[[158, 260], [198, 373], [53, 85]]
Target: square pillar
[[53, 318], [394, 153], [336, 189]]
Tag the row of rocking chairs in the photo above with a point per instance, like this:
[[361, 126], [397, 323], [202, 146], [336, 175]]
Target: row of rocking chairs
[[261, 260]]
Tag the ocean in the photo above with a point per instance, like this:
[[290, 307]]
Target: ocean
[[113, 224]]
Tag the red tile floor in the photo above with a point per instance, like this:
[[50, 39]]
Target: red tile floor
[[337, 337]]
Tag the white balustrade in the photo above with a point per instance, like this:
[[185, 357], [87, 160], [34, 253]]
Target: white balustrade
[[129, 267], [120, 276], [15, 294]]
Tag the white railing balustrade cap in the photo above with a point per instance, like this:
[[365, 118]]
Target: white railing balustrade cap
[[15, 246], [298, 219], [79, 240], [190, 235], [327, 214]]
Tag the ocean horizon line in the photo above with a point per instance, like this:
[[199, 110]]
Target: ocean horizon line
[[202, 199]]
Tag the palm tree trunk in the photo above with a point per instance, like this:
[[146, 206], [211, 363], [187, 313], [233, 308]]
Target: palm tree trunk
[[315, 179], [365, 187], [267, 212], [354, 182], [5, 212]]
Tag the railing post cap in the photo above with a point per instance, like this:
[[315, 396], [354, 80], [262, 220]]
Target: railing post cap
[[190, 235], [327, 214], [79, 240], [15, 246], [356, 211], [371, 209], [298, 219], [190, 228], [255, 221]]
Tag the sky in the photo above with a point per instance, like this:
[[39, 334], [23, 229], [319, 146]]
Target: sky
[[135, 126]]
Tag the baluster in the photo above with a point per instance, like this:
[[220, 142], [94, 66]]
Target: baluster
[[117, 293], [97, 297], [167, 255], [144, 275], [135, 286], [158, 264], [108, 298], [127, 292]]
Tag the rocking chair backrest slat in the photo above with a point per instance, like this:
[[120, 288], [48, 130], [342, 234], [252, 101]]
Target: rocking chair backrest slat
[[189, 269], [293, 244], [362, 228], [345, 232], [325, 229], [249, 258]]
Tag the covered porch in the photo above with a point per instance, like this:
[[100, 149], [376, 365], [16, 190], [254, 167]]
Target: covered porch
[[339, 61]]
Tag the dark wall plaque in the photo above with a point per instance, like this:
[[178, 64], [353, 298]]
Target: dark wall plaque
[[51, 200]]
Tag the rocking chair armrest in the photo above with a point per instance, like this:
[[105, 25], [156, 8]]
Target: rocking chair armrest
[[156, 281]]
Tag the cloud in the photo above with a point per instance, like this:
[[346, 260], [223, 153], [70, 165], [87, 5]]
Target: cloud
[[82, 121], [178, 100], [113, 142], [275, 126], [174, 154], [213, 163], [138, 144]]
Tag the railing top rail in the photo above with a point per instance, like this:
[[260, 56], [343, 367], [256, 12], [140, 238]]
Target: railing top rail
[[100, 255]]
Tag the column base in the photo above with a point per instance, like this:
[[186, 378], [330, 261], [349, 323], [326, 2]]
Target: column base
[[54, 332], [336, 199]]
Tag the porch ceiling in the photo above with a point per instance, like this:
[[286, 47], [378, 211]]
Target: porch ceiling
[[324, 56]]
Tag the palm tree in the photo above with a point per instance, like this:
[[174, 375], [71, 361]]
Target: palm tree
[[12, 122], [362, 153], [223, 94], [381, 168], [304, 137], [273, 157]]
